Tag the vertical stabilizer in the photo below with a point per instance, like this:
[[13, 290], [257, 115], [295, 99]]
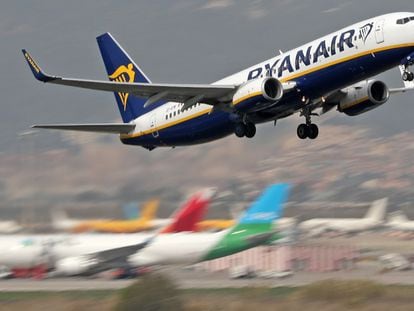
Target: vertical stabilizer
[[398, 217], [121, 68], [377, 210], [131, 210], [191, 213], [255, 226], [149, 210]]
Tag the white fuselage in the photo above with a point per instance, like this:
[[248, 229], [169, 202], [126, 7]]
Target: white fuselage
[[164, 249], [401, 225], [335, 48], [9, 226], [345, 225], [20, 251]]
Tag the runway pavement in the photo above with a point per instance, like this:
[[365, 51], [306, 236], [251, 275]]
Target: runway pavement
[[196, 279]]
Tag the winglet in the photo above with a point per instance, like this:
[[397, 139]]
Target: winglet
[[35, 68]]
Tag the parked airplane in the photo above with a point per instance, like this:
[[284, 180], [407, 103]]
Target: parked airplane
[[9, 226], [372, 220], [333, 71], [61, 221], [35, 254], [399, 221], [254, 228], [145, 222]]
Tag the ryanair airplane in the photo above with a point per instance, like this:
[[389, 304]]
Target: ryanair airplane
[[333, 71]]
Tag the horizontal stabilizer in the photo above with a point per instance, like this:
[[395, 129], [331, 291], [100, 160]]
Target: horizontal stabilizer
[[111, 128]]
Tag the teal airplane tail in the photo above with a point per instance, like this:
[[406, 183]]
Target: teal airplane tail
[[255, 227]]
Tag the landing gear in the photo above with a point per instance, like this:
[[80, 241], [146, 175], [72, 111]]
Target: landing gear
[[245, 130], [408, 75], [313, 131], [308, 130], [250, 130], [302, 131], [240, 130]]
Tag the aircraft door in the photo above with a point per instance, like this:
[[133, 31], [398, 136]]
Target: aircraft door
[[379, 31], [153, 125]]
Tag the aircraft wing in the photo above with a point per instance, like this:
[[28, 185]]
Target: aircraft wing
[[401, 90], [189, 94], [111, 128], [332, 99], [112, 258], [120, 253]]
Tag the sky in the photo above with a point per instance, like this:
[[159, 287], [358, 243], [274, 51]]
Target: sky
[[180, 41]]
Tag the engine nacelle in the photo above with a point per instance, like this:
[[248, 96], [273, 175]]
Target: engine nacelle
[[364, 97], [75, 265], [258, 94]]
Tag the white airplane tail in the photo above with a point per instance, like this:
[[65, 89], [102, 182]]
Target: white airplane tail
[[398, 217], [377, 210], [58, 216]]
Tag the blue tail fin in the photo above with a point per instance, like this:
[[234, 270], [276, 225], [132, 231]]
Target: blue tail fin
[[121, 68], [131, 210], [268, 207]]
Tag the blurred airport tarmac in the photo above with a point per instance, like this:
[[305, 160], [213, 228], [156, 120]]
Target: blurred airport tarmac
[[188, 279]]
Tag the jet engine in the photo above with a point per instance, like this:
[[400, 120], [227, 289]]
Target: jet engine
[[364, 97], [76, 265], [258, 94]]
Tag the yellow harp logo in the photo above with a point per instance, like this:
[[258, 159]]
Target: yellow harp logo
[[124, 74]]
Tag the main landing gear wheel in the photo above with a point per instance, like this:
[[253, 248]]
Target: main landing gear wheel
[[250, 130], [308, 129], [245, 130], [313, 131], [240, 130], [302, 131]]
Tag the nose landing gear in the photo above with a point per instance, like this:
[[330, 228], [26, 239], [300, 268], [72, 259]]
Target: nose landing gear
[[407, 75]]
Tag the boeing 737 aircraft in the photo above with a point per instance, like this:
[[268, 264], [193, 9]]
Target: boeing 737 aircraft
[[334, 71], [373, 219]]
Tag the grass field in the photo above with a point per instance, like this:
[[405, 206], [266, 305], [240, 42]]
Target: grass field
[[326, 295]]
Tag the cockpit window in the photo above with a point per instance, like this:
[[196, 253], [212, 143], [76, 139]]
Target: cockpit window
[[406, 20]]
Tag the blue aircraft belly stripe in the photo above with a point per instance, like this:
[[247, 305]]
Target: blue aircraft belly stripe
[[338, 74]]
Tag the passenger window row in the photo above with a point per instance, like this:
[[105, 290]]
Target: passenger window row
[[177, 111]]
